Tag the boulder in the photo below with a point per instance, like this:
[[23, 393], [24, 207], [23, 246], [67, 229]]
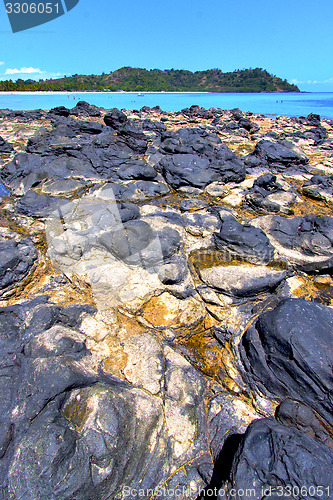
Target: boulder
[[40, 359], [266, 184], [279, 461], [21, 116], [286, 352], [128, 241], [313, 120], [248, 125], [36, 205], [319, 187], [189, 141], [5, 147], [280, 201], [115, 118], [243, 241], [305, 419], [193, 170], [85, 109], [277, 155], [306, 242], [187, 170], [17, 257], [316, 134], [60, 111]]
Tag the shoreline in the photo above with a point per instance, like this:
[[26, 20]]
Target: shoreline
[[136, 92], [65, 92]]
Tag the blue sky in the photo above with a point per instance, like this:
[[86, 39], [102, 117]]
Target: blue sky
[[290, 38]]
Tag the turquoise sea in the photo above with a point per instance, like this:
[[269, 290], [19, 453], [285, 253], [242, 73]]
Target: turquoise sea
[[289, 104]]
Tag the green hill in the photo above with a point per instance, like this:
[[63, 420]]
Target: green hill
[[138, 79]]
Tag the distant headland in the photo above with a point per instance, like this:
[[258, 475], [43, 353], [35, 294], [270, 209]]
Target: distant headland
[[156, 80]]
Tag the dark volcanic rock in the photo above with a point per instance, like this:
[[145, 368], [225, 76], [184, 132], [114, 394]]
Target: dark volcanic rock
[[60, 111], [287, 352], [69, 428], [307, 242], [133, 137], [88, 127], [138, 170], [39, 360], [29, 170], [278, 155], [248, 125], [174, 271], [115, 118], [266, 184], [136, 243], [189, 141], [244, 241], [305, 419], [276, 461], [196, 111], [198, 171], [36, 205], [85, 109], [269, 196], [313, 119], [21, 116], [237, 114], [61, 154], [317, 134], [5, 147], [319, 187], [152, 126], [187, 170], [16, 260]]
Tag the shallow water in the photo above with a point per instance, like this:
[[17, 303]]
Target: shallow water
[[289, 104]]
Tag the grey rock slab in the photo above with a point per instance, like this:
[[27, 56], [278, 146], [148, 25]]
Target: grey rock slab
[[66, 187], [243, 280]]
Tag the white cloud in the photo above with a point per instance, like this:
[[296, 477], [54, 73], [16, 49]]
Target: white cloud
[[296, 82], [25, 71], [28, 73], [1, 63]]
